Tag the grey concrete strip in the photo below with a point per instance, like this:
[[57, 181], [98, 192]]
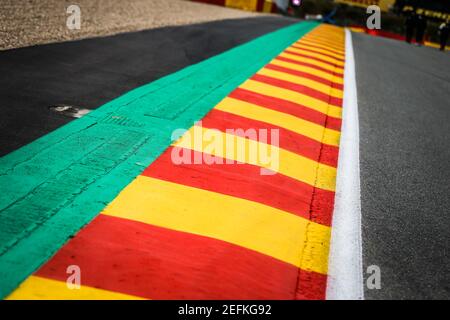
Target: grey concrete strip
[[403, 97]]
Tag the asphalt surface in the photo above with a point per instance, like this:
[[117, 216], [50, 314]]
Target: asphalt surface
[[403, 94], [91, 72], [404, 111]]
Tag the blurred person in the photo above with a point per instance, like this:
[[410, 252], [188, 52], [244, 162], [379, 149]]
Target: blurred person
[[410, 24], [421, 25], [444, 30]]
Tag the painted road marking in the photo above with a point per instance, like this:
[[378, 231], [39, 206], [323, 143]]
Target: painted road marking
[[273, 232], [246, 182], [74, 171], [318, 56], [313, 44], [300, 88], [38, 288], [292, 96], [315, 62], [304, 75], [313, 173], [321, 44], [304, 63], [280, 119], [345, 279], [325, 41], [288, 140], [334, 38], [324, 52], [297, 66], [287, 107], [155, 262], [225, 221], [304, 81]]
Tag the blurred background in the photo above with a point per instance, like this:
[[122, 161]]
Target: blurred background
[[30, 22], [352, 13]]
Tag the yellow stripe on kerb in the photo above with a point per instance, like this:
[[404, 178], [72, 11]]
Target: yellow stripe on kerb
[[280, 119], [326, 89], [233, 147], [293, 96], [320, 45], [324, 51], [309, 70], [332, 44], [317, 55], [324, 43], [245, 223], [312, 61], [332, 37], [336, 38], [38, 288]]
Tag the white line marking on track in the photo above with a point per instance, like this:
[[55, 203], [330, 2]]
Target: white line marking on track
[[345, 276]]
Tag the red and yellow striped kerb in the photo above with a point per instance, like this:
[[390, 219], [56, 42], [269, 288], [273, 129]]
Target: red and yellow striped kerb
[[224, 231]]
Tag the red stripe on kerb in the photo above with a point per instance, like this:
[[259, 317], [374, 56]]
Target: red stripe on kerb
[[238, 180], [246, 182], [147, 261], [311, 286], [305, 75], [318, 52], [288, 107], [319, 46], [331, 64], [337, 102], [339, 46], [309, 65], [289, 140]]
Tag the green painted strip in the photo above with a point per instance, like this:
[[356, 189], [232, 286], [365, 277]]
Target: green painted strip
[[54, 186]]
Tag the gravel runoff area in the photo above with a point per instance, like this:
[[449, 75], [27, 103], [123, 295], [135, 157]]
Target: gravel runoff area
[[30, 22]]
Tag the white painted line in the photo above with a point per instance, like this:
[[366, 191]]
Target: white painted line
[[345, 274]]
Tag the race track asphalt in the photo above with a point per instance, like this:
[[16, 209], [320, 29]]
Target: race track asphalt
[[403, 95], [91, 72], [404, 112]]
